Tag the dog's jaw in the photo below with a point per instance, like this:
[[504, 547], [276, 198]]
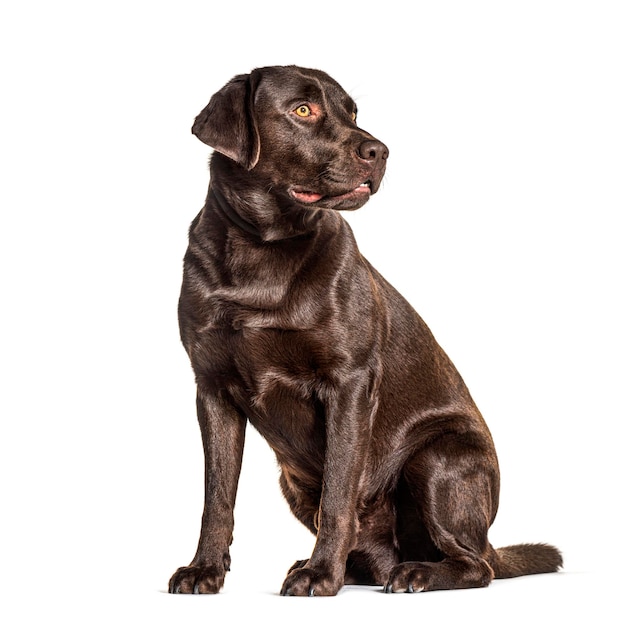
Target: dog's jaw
[[350, 200]]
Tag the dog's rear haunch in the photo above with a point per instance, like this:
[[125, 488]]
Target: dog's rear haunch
[[382, 451]]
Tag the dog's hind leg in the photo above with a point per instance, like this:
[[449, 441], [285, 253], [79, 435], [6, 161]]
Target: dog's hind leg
[[453, 485]]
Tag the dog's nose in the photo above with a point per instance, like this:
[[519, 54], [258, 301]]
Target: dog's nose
[[373, 150]]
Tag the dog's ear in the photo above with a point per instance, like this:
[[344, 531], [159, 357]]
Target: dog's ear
[[227, 123]]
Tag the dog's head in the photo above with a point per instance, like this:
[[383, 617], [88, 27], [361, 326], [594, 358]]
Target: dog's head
[[296, 129]]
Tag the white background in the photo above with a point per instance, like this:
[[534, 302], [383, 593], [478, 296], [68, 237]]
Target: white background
[[499, 220]]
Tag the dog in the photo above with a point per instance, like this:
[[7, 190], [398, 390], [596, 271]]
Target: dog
[[383, 454]]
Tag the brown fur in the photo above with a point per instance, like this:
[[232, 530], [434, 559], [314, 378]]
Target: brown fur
[[383, 453]]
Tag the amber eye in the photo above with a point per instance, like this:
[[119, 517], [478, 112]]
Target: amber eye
[[353, 116], [303, 111]]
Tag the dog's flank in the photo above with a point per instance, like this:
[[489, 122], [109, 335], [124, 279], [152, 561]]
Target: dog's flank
[[383, 454]]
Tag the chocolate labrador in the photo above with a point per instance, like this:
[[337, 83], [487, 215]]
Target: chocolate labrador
[[382, 451]]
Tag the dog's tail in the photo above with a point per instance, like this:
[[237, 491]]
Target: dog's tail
[[524, 559]]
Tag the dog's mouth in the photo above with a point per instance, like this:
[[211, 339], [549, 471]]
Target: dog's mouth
[[306, 196]]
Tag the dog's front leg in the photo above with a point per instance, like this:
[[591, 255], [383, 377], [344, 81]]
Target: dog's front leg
[[223, 432], [347, 431]]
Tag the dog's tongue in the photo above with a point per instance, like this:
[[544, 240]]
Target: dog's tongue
[[307, 197]]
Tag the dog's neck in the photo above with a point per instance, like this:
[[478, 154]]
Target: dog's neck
[[241, 198], [231, 214]]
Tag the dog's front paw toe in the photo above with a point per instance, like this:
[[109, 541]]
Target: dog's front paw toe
[[197, 580]]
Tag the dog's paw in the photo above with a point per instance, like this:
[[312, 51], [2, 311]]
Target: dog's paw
[[409, 578], [197, 580], [459, 573], [303, 581]]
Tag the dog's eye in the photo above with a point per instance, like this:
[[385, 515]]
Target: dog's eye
[[303, 111], [354, 116]]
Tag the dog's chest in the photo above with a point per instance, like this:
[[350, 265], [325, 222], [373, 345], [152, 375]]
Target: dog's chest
[[277, 380], [278, 326], [278, 364], [281, 342]]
